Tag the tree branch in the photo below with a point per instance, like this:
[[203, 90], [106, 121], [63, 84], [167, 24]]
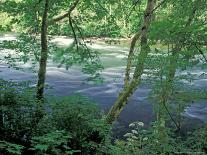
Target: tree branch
[[84, 43], [158, 6], [201, 52], [61, 17], [171, 116], [74, 34]]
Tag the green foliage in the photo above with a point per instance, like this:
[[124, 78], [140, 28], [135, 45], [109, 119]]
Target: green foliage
[[151, 141], [80, 55], [57, 126], [5, 22], [20, 51], [79, 117], [94, 18], [9, 148], [26, 49], [197, 141], [53, 143], [74, 125], [18, 115]]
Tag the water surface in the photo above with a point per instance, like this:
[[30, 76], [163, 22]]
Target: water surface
[[67, 82]]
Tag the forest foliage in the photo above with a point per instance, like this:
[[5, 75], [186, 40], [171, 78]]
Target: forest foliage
[[166, 38]]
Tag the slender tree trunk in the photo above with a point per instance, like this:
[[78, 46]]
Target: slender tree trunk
[[44, 54], [168, 84], [173, 62], [131, 87], [44, 45], [1, 117]]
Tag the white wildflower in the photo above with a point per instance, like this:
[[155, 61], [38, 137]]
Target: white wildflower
[[130, 140], [134, 137], [128, 135], [132, 125], [145, 138], [140, 123], [134, 132]]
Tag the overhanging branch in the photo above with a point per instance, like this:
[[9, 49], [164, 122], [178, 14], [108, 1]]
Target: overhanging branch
[[61, 17]]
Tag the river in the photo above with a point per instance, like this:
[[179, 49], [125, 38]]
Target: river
[[139, 108]]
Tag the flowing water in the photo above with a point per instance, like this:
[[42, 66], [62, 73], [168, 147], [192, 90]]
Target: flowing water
[[139, 108]]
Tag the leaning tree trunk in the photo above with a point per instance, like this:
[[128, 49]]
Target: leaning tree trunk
[[44, 54], [131, 87]]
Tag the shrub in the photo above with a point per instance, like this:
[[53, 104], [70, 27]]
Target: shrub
[[57, 126], [80, 117], [155, 142], [9, 148]]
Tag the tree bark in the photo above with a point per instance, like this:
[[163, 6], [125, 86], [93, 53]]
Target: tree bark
[[132, 47], [131, 87], [168, 83], [44, 45], [44, 54], [129, 59]]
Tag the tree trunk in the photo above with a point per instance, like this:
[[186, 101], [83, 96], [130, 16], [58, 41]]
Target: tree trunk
[[1, 117], [131, 87], [44, 45], [168, 85], [44, 54]]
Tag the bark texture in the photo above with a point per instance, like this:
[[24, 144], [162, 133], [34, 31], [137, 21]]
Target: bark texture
[[133, 44], [131, 87], [44, 45], [44, 53]]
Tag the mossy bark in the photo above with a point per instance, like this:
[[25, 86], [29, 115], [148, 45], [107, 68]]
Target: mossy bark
[[44, 53], [131, 87], [44, 44]]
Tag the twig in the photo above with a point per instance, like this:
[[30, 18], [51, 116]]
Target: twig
[[163, 103], [81, 35], [201, 52], [171, 117], [74, 34], [158, 6]]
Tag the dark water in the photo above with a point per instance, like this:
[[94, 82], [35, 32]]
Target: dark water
[[139, 108]]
